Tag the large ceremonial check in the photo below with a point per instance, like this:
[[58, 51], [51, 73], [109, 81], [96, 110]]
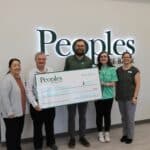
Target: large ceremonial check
[[68, 87]]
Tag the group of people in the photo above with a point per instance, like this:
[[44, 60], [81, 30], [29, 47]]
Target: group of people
[[122, 84]]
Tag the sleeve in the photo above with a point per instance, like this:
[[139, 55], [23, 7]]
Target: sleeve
[[114, 75], [136, 70], [30, 90], [5, 100]]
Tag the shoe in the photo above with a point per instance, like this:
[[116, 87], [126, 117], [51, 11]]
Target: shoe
[[53, 147], [84, 142], [123, 138], [128, 141], [107, 137], [72, 143], [101, 137]]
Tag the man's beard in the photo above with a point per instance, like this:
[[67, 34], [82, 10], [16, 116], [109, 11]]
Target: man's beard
[[79, 53]]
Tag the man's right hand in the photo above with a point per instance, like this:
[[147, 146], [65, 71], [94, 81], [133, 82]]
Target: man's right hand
[[37, 108], [11, 116]]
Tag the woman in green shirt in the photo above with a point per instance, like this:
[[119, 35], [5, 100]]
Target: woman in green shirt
[[108, 77]]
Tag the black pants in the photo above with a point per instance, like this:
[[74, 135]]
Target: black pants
[[46, 117], [14, 128], [103, 111]]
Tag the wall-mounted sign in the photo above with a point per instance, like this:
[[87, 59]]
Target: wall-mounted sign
[[63, 46]]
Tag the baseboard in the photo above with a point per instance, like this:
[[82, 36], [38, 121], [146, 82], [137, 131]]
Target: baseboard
[[59, 135]]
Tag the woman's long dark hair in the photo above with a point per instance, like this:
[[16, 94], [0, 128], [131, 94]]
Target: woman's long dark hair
[[99, 64], [11, 61]]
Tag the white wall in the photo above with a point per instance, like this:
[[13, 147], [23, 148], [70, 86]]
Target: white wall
[[80, 18]]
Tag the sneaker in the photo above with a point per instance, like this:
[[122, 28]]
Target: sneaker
[[107, 137], [53, 147], [123, 138], [101, 137], [128, 141], [72, 143], [84, 142]]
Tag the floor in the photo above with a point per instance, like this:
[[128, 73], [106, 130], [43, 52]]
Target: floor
[[141, 141]]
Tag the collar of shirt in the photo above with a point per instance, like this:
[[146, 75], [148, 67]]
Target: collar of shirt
[[44, 71]]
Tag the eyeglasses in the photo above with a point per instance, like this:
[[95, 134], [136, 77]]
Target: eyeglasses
[[126, 57]]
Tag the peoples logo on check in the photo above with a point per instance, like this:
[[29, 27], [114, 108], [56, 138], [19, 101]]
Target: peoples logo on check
[[54, 79]]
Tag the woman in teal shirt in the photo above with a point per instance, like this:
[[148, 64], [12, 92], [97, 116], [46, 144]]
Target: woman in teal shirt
[[108, 77]]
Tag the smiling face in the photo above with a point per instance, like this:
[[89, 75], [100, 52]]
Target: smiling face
[[80, 48], [40, 60], [103, 59], [126, 58], [15, 67]]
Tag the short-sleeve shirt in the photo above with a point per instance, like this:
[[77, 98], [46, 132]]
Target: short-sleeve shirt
[[72, 63], [125, 86], [108, 74]]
